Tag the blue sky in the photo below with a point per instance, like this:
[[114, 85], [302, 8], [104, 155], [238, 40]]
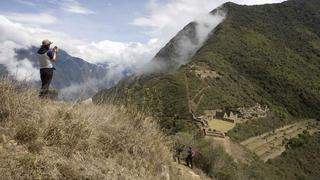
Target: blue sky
[[100, 19], [97, 20]]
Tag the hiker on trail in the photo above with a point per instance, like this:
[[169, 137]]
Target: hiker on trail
[[47, 57], [190, 155], [177, 154]]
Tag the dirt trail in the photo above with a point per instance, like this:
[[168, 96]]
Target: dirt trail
[[188, 173], [198, 103], [185, 173], [188, 93], [199, 93], [192, 104]]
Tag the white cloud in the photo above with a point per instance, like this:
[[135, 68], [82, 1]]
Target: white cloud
[[165, 20], [16, 35], [256, 2], [22, 70], [74, 6], [130, 53], [186, 43], [38, 19]]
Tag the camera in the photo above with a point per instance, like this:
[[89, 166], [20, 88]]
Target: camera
[[55, 49]]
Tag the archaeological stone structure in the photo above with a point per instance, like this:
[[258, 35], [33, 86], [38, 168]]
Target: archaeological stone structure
[[236, 115]]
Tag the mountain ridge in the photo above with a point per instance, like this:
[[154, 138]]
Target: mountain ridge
[[257, 51], [258, 56]]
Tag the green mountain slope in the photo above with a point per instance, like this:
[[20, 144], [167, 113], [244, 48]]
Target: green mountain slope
[[268, 54], [300, 162]]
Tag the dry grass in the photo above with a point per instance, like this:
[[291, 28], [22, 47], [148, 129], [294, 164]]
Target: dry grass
[[43, 139]]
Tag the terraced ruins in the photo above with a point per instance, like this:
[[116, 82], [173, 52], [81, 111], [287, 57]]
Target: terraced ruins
[[271, 144], [203, 72], [218, 122]]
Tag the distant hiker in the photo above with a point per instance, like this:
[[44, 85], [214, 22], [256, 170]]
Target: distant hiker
[[190, 154], [177, 154], [46, 59]]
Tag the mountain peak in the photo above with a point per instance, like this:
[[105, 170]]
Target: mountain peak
[[266, 54], [185, 44]]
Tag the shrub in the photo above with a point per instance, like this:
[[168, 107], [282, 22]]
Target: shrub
[[299, 141], [26, 133], [210, 156]]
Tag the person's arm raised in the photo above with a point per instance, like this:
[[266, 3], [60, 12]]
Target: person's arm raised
[[54, 54]]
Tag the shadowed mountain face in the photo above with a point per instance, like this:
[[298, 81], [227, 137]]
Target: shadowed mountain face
[[268, 54]]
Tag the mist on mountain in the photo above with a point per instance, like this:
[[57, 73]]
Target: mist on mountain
[[185, 44]]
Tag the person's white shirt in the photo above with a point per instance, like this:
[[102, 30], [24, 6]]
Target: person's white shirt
[[46, 59]]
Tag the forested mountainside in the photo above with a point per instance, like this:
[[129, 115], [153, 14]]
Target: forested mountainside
[[266, 54], [263, 60]]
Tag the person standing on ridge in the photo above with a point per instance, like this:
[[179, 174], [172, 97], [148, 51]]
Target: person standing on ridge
[[46, 59]]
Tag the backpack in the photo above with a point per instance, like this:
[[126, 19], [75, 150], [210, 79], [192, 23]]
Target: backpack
[[193, 153]]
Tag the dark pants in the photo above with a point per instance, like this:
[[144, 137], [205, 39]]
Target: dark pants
[[46, 75], [189, 161]]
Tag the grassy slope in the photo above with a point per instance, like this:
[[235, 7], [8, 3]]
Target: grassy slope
[[272, 47], [268, 54], [301, 162], [42, 139]]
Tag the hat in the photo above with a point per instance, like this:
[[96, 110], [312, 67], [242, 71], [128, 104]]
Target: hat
[[46, 42]]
